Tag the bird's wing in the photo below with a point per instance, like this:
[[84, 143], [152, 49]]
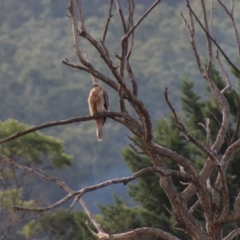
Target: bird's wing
[[105, 104], [105, 98]]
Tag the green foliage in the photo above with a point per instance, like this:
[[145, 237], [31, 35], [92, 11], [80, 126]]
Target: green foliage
[[61, 225], [29, 230], [113, 216], [12, 197], [191, 104], [35, 147]]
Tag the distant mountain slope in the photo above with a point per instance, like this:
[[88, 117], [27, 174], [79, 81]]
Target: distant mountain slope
[[35, 36]]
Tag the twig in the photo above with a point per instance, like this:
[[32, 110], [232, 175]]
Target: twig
[[124, 44], [141, 19], [132, 234], [91, 216], [90, 229], [43, 209], [87, 58], [108, 21], [106, 28], [216, 44], [130, 25], [233, 234], [95, 73], [120, 12], [207, 130], [73, 65], [132, 78], [128, 66], [173, 111], [225, 194], [192, 138], [209, 43], [230, 13], [135, 142], [125, 38], [83, 27], [238, 118], [75, 33], [121, 101], [80, 193], [194, 206], [191, 32], [228, 86], [136, 151], [91, 69]]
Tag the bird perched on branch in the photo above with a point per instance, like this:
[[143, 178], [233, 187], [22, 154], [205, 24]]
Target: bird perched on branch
[[98, 103]]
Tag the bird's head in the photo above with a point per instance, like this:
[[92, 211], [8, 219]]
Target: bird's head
[[96, 86]]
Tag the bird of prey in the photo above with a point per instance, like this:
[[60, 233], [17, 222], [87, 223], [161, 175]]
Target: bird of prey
[[98, 103]]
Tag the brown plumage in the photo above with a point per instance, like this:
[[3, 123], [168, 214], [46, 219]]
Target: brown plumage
[[98, 103]]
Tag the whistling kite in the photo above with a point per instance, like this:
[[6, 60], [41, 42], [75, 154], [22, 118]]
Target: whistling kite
[[98, 103]]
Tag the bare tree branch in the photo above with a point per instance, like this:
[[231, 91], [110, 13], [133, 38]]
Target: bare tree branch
[[210, 154], [143, 231], [212, 39], [80, 193], [238, 119], [94, 73], [128, 66], [228, 85], [141, 19], [130, 25], [83, 27], [209, 43], [230, 14], [124, 44], [232, 234], [173, 111], [191, 32], [194, 206], [58, 123], [73, 65], [106, 28], [87, 58], [120, 12], [108, 21], [92, 218], [44, 209]]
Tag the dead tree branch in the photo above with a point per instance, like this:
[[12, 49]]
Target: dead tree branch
[[212, 39], [232, 234], [59, 123]]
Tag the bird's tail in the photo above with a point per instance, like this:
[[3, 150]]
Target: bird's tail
[[99, 130]]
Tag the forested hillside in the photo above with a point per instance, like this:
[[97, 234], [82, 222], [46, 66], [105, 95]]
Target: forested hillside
[[35, 36]]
